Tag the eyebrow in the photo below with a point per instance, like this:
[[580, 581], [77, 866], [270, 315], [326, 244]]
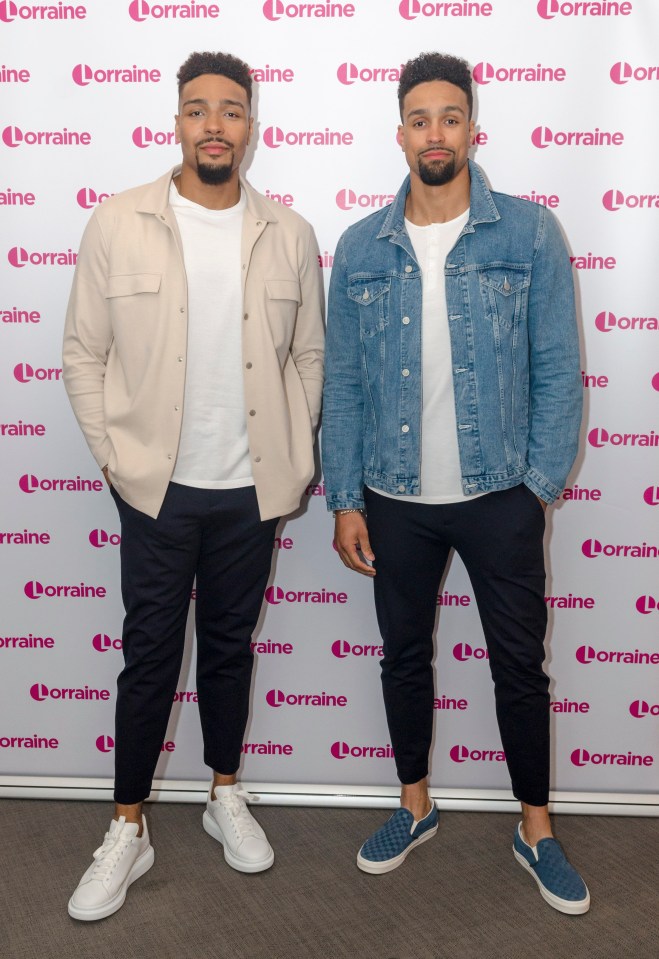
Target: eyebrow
[[424, 110], [223, 103]]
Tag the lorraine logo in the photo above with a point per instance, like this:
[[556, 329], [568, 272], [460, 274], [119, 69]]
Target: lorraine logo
[[275, 137], [341, 750], [99, 538], [411, 9], [102, 643], [463, 651], [614, 200], [548, 9], [622, 72], [349, 73], [10, 11], [599, 437], [342, 648], [542, 137], [276, 9], [605, 321], [275, 595], [144, 137], [584, 757], [462, 754], [140, 11], [88, 198], [278, 698], [346, 199], [484, 73], [105, 744], [646, 605], [640, 709]]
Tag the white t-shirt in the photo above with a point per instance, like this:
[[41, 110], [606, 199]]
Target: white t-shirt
[[441, 477], [213, 451]]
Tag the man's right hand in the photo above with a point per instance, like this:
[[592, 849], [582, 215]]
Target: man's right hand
[[351, 539]]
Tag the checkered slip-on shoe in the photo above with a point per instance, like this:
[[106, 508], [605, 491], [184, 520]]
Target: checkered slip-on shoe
[[560, 884], [387, 848]]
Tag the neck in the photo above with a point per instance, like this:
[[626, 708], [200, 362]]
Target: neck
[[213, 196], [437, 204]]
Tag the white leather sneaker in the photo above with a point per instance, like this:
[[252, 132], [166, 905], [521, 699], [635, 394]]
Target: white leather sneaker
[[123, 858], [228, 820]]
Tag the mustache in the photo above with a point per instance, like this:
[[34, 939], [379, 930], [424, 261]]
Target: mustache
[[225, 143], [434, 149]]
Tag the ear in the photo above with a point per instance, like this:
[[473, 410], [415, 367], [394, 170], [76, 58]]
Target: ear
[[177, 138], [472, 133], [400, 137], [250, 130]]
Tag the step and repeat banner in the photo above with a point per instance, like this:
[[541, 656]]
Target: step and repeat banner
[[566, 93]]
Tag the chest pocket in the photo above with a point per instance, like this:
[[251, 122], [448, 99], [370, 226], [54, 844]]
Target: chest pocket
[[131, 284], [372, 297], [505, 294]]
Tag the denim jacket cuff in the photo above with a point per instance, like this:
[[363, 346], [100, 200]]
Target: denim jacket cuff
[[345, 500], [541, 486]]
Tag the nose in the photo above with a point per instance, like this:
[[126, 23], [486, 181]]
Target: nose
[[435, 132], [214, 122]]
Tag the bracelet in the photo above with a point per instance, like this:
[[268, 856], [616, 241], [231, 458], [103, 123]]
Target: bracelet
[[342, 512]]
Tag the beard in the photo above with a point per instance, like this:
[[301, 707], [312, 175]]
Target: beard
[[215, 173], [436, 172]]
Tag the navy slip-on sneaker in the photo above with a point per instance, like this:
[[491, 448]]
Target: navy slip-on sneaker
[[560, 884], [387, 848]]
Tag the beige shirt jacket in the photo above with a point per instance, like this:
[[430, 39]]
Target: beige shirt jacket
[[125, 342]]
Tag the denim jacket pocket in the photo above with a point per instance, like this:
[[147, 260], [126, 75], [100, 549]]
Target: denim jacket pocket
[[505, 292], [372, 297]]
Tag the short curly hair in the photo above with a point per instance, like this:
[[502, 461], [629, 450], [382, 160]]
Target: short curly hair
[[223, 64], [435, 66]]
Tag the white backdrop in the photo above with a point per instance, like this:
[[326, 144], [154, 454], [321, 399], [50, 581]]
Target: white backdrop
[[566, 95]]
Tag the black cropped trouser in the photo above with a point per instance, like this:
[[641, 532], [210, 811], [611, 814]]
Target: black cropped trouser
[[499, 538], [217, 536]]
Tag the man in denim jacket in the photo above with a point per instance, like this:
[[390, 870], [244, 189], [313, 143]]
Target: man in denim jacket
[[452, 406]]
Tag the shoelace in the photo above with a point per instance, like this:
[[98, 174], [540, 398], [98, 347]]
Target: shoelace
[[235, 804], [108, 855]]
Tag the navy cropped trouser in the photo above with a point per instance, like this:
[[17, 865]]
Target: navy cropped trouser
[[499, 538], [217, 536]]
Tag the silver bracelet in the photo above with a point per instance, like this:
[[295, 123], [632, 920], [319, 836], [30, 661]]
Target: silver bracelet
[[342, 512]]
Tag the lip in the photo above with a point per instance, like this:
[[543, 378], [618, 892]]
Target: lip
[[436, 154], [214, 149]]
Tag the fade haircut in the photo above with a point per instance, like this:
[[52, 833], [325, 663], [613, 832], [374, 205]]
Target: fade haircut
[[435, 66], [222, 64]]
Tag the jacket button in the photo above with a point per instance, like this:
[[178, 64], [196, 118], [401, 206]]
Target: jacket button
[[245, 316], [257, 459], [406, 372], [248, 366], [180, 359], [181, 309], [169, 456], [401, 488], [405, 429], [177, 408], [252, 412], [406, 320], [408, 269]]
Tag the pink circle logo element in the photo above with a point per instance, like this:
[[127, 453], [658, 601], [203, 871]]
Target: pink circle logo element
[[639, 708], [483, 73], [585, 655], [459, 754], [651, 495], [646, 605], [39, 691], [275, 697], [341, 648], [541, 137], [605, 321], [621, 72], [105, 744], [274, 595], [580, 757], [340, 750], [273, 9], [655, 382], [613, 200]]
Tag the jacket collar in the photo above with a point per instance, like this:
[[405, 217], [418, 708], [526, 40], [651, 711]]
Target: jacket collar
[[155, 198], [482, 208]]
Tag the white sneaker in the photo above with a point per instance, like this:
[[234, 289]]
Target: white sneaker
[[123, 858], [228, 820]]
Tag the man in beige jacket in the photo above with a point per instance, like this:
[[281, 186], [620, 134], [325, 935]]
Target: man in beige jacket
[[193, 361]]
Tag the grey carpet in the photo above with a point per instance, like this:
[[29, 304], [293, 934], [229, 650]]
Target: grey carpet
[[459, 896]]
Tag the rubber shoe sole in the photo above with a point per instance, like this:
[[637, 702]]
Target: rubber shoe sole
[[562, 905], [379, 868], [212, 828], [140, 866]]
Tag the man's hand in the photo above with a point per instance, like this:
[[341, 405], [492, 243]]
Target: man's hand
[[351, 539]]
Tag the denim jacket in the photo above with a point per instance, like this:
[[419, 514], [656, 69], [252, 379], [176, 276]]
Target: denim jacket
[[514, 350]]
